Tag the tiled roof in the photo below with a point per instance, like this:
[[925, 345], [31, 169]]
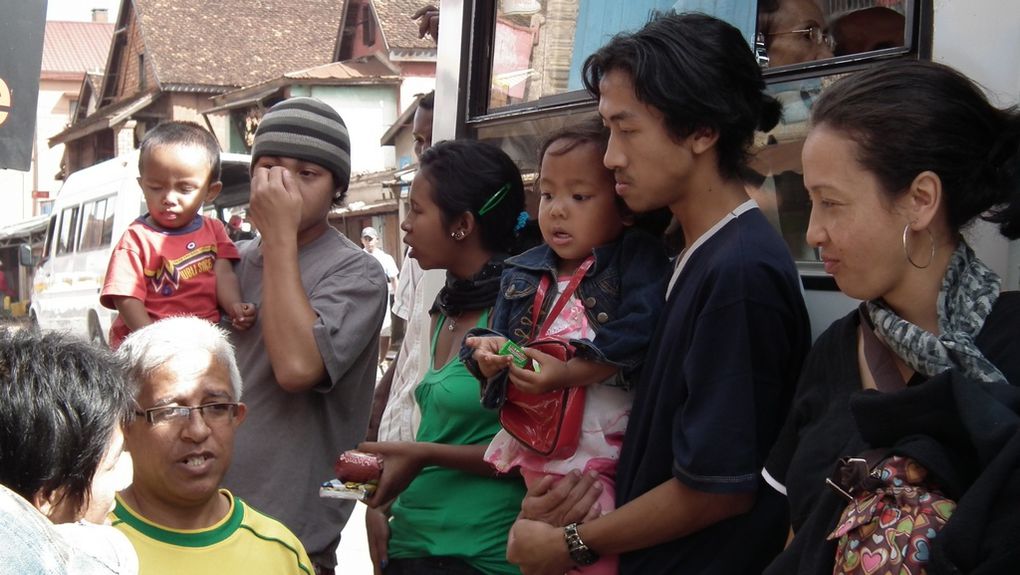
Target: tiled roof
[[75, 47], [399, 30], [236, 42]]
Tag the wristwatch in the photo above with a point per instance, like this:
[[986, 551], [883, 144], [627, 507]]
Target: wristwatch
[[579, 552]]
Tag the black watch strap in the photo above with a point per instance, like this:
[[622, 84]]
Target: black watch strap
[[579, 552]]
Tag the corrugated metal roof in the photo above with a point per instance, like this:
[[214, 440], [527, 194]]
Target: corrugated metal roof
[[75, 47]]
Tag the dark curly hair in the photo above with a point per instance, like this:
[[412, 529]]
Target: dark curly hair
[[699, 72]]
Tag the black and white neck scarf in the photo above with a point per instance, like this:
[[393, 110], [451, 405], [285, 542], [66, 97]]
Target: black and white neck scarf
[[478, 292], [969, 291]]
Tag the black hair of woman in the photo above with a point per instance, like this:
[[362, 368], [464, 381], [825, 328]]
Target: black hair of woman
[[473, 175], [727, 97], [60, 401], [907, 117]]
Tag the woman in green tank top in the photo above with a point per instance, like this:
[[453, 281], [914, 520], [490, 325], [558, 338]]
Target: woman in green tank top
[[448, 512]]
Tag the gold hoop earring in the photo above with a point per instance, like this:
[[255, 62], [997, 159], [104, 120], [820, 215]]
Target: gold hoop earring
[[906, 247], [458, 235]]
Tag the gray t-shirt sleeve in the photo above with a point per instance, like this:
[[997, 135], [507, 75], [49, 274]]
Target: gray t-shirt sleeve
[[350, 304]]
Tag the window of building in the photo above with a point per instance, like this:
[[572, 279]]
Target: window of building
[[141, 72], [367, 24]]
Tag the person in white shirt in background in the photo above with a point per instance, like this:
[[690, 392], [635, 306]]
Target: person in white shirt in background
[[370, 241]]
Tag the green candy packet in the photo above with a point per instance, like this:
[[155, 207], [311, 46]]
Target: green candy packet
[[517, 352]]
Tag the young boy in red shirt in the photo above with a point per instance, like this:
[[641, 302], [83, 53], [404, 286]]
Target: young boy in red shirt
[[172, 260]]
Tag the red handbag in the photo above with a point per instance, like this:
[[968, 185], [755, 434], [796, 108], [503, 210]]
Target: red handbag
[[547, 423]]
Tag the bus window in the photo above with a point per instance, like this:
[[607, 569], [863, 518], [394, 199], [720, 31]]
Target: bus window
[[107, 236], [864, 26], [68, 229], [538, 48], [775, 176], [94, 220], [794, 32]]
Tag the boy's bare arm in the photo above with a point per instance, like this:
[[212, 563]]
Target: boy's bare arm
[[228, 296], [288, 319], [132, 312]]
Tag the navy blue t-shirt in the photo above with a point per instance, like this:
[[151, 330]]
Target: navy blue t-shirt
[[715, 389]]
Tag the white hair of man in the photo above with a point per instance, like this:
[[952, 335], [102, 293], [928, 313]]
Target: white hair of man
[[149, 348]]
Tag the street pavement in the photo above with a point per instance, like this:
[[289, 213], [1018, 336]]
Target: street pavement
[[352, 554]]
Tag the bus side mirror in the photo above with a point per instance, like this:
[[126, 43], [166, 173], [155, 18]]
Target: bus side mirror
[[25, 256]]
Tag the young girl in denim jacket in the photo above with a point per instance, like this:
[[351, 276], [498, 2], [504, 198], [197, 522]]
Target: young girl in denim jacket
[[608, 319]]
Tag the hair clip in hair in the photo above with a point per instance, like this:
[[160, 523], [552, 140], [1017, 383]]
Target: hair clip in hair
[[493, 201], [522, 220]]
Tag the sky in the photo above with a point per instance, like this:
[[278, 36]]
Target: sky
[[80, 10]]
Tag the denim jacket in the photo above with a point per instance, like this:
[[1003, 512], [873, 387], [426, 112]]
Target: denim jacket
[[622, 293], [30, 543]]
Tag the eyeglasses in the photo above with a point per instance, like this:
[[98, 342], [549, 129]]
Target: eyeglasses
[[176, 414], [815, 34]]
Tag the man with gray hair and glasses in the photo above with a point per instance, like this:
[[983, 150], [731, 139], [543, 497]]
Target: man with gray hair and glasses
[[179, 519]]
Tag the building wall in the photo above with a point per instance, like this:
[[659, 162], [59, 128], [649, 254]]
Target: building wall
[[413, 85], [403, 147], [16, 186], [127, 67], [368, 112], [189, 107], [354, 29], [52, 116]]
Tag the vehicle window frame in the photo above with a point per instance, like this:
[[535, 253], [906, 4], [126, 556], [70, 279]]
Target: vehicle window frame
[[917, 44], [67, 245], [89, 209], [480, 122]]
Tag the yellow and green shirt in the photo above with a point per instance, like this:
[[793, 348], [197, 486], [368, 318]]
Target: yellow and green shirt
[[245, 542]]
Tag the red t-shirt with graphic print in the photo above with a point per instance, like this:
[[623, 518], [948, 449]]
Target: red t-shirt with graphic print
[[170, 271]]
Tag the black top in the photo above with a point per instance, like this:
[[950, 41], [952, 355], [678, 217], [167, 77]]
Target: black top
[[715, 388], [822, 428]]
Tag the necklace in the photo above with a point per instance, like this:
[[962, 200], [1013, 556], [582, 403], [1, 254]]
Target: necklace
[[452, 322]]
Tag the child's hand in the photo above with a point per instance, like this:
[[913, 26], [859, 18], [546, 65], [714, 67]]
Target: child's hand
[[550, 375], [490, 362], [242, 315]]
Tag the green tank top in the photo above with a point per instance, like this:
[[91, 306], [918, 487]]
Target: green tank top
[[445, 512]]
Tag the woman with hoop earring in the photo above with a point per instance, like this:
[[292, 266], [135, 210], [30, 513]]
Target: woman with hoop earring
[[899, 159]]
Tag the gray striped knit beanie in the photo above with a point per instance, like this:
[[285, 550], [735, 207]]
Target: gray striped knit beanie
[[306, 129]]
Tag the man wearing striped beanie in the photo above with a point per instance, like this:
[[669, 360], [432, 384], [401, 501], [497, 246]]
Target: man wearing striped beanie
[[309, 362]]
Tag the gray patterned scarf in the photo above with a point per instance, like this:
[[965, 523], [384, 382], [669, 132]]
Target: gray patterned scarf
[[969, 290]]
